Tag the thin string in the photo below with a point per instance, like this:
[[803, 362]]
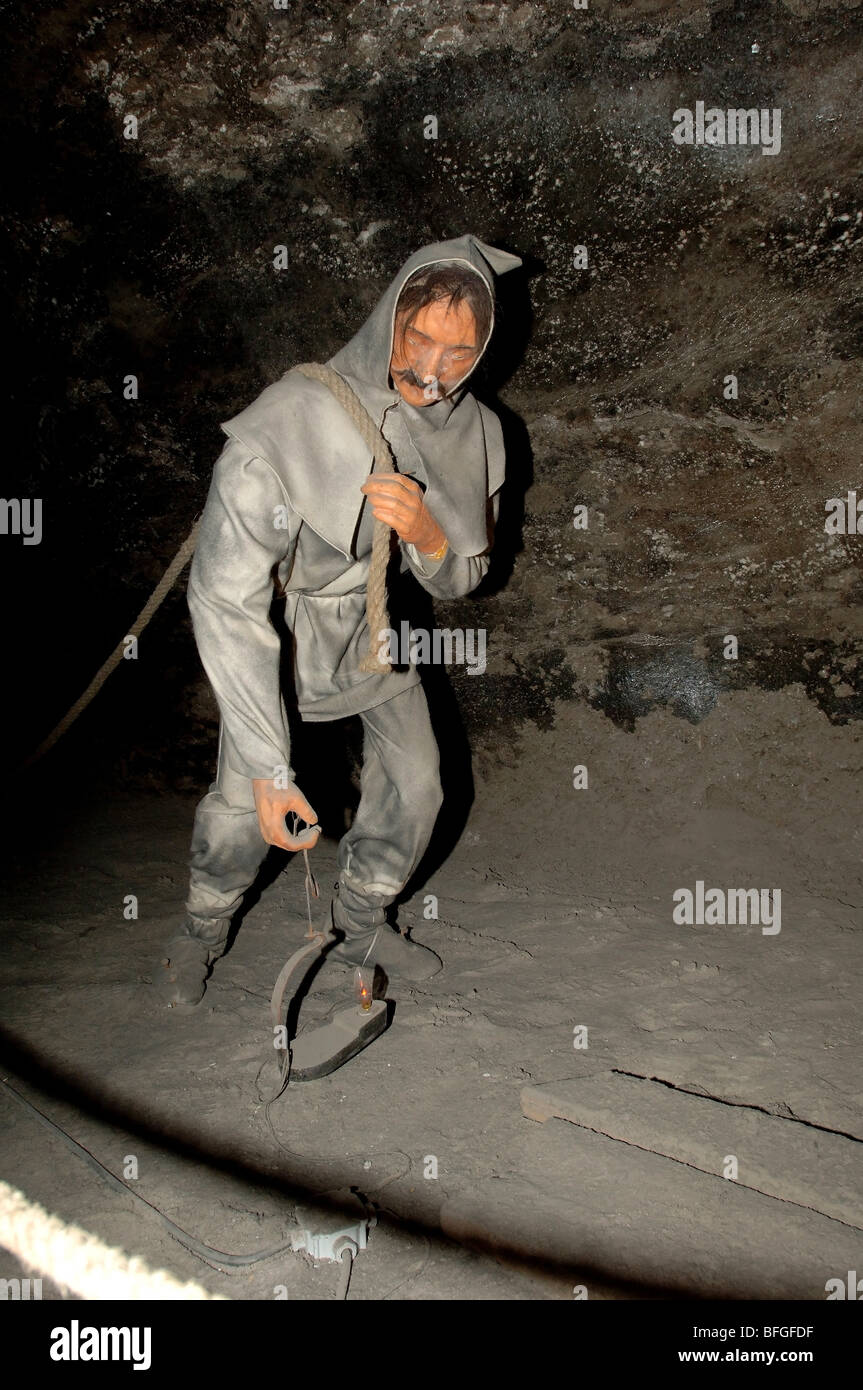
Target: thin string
[[312, 891]]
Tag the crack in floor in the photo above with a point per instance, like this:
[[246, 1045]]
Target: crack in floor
[[484, 936], [738, 1104], [705, 1172]]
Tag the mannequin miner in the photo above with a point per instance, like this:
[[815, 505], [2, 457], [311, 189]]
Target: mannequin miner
[[296, 455]]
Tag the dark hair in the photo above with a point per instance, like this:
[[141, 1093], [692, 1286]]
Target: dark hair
[[456, 284]]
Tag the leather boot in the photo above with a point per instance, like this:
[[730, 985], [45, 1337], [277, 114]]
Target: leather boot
[[189, 956], [391, 951], [386, 947]]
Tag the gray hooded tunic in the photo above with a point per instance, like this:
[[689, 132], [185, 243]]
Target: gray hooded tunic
[[285, 502]]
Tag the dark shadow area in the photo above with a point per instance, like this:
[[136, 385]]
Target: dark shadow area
[[275, 863], [22, 1064], [514, 321], [509, 531]]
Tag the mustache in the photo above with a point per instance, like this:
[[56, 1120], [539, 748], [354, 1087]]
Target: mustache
[[412, 379]]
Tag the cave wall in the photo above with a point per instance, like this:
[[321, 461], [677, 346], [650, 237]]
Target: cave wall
[[307, 127]]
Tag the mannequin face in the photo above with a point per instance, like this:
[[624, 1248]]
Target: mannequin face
[[433, 353]]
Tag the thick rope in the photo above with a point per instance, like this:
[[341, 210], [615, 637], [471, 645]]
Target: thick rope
[[79, 1261], [376, 588], [179, 562]]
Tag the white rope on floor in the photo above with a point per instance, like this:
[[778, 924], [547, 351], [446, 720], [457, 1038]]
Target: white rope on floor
[[81, 1263]]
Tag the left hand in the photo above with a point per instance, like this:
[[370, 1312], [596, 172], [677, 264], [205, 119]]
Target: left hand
[[398, 501]]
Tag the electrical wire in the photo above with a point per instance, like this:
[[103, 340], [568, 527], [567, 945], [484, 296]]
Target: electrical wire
[[345, 1275], [330, 1158], [208, 1254]]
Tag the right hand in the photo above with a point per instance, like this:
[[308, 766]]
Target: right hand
[[273, 804]]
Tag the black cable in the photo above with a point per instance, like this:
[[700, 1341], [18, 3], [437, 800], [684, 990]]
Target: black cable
[[207, 1253]]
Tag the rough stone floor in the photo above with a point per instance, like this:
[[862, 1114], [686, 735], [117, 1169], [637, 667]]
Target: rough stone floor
[[554, 915]]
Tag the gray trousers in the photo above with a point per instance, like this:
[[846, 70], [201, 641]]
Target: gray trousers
[[400, 797]]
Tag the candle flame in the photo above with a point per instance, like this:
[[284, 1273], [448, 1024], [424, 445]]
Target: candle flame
[[362, 988]]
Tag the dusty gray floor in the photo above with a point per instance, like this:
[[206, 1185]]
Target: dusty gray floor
[[554, 912]]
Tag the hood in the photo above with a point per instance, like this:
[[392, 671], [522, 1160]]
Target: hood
[[453, 446], [364, 361]]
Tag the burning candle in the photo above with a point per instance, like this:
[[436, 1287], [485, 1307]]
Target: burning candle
[[363, 982]]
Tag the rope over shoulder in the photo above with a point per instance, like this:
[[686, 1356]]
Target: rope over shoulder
[[376, 589]]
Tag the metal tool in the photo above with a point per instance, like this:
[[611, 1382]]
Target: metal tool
[[321, 1050]]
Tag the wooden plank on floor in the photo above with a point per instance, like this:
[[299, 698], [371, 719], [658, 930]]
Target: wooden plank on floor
[[783, 1158], [576, 1201]]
